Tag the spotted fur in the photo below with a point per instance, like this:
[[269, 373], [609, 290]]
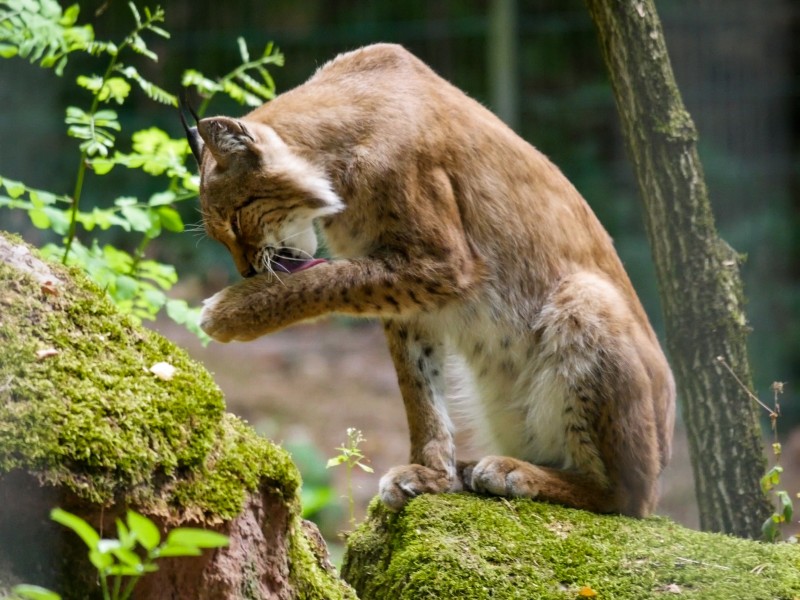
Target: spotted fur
[[474, 250]]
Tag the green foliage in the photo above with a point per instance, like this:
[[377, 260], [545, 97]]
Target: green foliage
[[784, 507], [121, 562], [43, 33], [240, 84], [350, 456]]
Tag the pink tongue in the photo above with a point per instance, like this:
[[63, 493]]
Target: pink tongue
[[293, 265]]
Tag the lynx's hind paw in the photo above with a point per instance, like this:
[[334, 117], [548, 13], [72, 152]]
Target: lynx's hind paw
[[401, 484], [503, 476]]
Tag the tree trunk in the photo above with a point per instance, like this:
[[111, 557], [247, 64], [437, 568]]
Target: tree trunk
[[698, 273]]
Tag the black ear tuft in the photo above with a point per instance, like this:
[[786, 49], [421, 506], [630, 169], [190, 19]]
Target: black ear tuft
[[192, 135]]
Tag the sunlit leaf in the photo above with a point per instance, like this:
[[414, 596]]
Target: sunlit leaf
[[137, 217], [175, 550], [170, 219], [85, 531], [199, 538], [34, 592], [146, 531]]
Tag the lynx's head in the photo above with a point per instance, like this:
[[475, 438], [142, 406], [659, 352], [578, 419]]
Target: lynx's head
[[258, 197]]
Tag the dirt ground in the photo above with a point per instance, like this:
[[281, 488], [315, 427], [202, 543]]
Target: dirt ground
[[312, 382]]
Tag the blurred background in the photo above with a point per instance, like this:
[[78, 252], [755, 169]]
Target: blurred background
[[536, 63]]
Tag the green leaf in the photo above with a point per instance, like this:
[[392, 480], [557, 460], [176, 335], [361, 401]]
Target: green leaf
[[15, 189], [770, 530], [85, 531], [177, 550], [335, 461], [59, 219], [152, 91], [126, 538], [92, 83], [102, 166], [170, 219], [128, 558], [146, 531], [125, 288], [198, 538], [126, 201], [101, 560], [115, 88], [243, 49], [161, 199], [34, 592], [203, 84], [8, 51], [365, 468], [786, 509], [70, 16], [138, 218], [771, 478], [39, 218]]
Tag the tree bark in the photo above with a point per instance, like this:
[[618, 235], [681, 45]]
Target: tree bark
[[697, 272]]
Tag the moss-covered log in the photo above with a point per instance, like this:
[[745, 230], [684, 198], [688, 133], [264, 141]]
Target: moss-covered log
[[465, 546], [85, 424], [698, 273]]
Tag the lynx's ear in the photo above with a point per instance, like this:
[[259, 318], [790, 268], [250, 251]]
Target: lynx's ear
[[227, 139]]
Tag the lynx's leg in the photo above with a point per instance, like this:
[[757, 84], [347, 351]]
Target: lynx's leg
[[418, 360], [615, 383]]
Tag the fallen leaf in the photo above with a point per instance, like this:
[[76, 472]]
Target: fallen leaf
[[587, 592], [163, 370], [49, 287], [46, 353]]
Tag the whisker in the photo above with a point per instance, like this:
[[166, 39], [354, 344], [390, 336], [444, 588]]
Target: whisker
[[307, 256], [288, 237], [266, 260]]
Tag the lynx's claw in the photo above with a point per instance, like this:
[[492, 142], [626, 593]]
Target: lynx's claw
[[401, 484]]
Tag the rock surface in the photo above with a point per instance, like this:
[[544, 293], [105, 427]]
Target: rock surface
[[86, 424], [465, 546]]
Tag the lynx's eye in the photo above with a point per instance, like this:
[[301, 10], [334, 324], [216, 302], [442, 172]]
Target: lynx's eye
[[236, 225]]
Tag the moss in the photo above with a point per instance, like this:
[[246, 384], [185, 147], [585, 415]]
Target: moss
[[465, 546], [309, 579], [93, 418]]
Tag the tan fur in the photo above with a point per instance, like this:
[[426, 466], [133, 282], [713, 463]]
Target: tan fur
[[465, 241]]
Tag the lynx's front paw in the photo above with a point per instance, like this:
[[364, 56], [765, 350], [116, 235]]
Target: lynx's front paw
[[401, 484], [219, 320], [503, 476]]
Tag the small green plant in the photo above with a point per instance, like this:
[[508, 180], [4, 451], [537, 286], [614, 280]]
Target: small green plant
[[123, 561], [350, 456], [44, 33], [771, 481]]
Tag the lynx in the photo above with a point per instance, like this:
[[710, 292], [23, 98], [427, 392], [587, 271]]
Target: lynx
[[484, 264]]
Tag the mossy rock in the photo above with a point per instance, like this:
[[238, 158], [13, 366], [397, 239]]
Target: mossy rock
[[466, 546], [86, 423]]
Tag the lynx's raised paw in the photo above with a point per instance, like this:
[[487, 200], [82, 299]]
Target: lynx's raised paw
[[218, 318], [503, 476], [401, 484]]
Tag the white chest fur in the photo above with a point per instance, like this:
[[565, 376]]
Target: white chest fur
[[500, 387]]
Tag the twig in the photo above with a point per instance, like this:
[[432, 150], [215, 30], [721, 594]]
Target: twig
[[772, 413], [704, 564]]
